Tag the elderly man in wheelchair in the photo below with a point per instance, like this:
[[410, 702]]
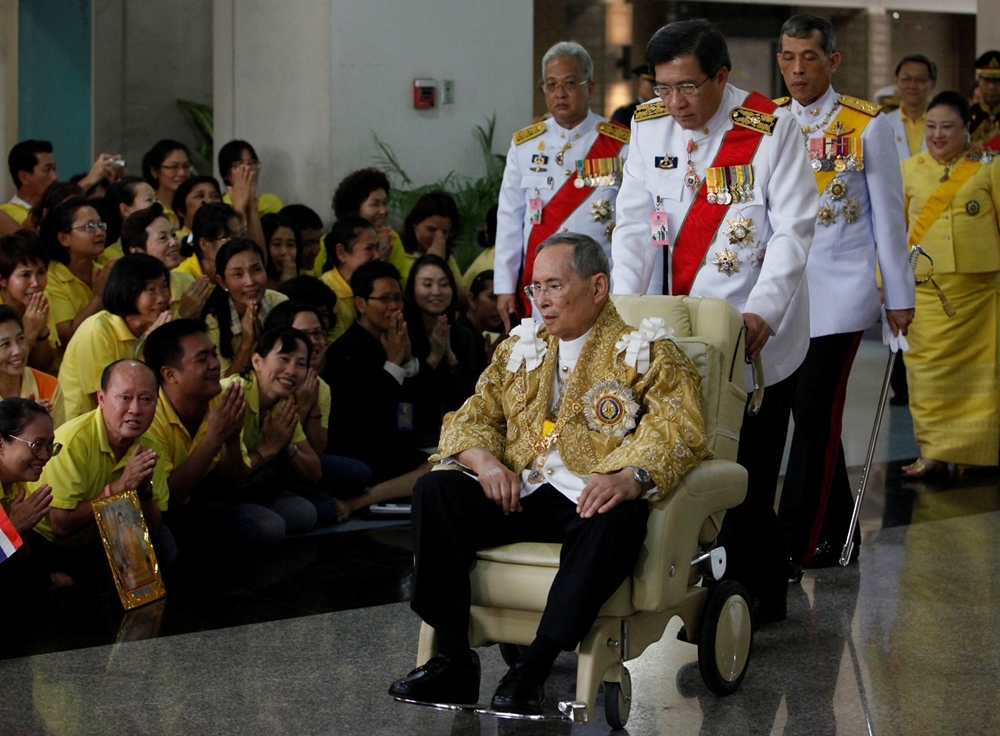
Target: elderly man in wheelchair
[[576, 426]]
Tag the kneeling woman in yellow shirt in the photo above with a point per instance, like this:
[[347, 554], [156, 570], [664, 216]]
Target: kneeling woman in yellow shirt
[[24, 274], [279, 451], [136, 300], [236, 310], [952, 198]]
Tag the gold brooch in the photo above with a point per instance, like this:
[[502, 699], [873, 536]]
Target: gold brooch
[[826, 215], [601, 210], [852, 210], [837, 188], [727, 262], [740, 231], [610, 408]]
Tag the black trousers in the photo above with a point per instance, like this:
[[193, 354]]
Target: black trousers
[[453, 518], [755, 555], [816, 499]]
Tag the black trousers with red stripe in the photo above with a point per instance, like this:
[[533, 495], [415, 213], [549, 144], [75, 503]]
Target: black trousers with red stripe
[[816, 498]]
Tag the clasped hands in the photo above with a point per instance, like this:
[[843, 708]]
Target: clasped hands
[[503, 486]]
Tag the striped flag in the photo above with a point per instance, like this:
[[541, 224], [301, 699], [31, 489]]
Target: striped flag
[[9, 538]]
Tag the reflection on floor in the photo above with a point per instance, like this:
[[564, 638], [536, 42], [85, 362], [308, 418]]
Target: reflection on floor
[[305, 639]]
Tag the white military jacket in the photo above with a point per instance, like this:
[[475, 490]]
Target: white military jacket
[[857, 211], [784, 200], [532, 171], [899, 135]]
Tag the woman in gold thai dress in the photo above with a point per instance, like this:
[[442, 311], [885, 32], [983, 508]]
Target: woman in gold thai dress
[[952, 199]]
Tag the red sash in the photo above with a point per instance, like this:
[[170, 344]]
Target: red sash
[[994, 145], [703, 219], [560, 207]]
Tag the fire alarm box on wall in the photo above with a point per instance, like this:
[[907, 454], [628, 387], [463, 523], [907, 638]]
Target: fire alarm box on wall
[[424, 93]]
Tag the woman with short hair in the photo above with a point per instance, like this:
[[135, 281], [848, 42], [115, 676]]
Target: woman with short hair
[[24, 269]]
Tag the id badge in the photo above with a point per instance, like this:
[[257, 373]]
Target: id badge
[[404, 417], [535, 206], [658, 225]]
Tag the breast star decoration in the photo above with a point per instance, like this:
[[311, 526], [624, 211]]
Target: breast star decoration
[[852, 209], [601, 210], [837, 188], [758, 257], [727, 262], [611, 409], [740, 231], [826, 215]]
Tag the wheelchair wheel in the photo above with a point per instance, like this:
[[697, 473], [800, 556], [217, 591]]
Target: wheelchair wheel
[[726, 637], [510, 652], [618, 700]]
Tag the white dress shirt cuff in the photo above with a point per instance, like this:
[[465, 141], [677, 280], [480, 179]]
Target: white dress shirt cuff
[[402, 372]]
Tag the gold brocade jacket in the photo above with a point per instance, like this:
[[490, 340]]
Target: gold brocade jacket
[[507, 412]]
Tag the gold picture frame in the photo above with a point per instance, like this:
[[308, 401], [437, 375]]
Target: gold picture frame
[[130, 552]]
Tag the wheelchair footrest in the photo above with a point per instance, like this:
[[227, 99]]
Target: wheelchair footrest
[[483, 709]]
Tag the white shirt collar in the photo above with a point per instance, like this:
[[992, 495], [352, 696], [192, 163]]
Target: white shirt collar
[[584, 127], [823, 105], [20, 202], [731, 97], [569, 350]]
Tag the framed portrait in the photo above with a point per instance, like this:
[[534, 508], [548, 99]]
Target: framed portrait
[[130, 553]]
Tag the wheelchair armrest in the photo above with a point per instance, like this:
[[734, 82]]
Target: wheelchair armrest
[[674, 526]]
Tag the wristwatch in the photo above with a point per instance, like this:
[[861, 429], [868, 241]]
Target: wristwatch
[[645, 481]]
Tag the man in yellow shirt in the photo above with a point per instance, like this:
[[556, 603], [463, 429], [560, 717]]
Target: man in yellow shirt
[[105, 452], [199, 428], [915, 79], [352, 243]]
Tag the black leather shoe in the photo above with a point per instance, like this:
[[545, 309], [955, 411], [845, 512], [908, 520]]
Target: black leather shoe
[[769, 610], [441, 681], [518, 692], [828, 555]]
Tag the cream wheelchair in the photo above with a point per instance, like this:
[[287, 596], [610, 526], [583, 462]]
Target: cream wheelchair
[[510, 584]]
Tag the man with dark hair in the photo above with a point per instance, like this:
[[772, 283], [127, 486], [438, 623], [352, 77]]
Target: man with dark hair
[[561, 174], [985, 128], [537, 475], [311, 227], [716, 178], [239, 153], [642, 85], [105, 452], [199, 429], [33, 168], [860, 223], [370, 369], [915, 78], [350, 244]]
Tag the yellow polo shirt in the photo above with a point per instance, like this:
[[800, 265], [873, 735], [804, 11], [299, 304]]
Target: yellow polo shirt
[[18, 212], [484, 262], [67, 294], [29, 387], [179, 283], [253, 433], [176, 443], [191, 266], [102, 339], [267, 204], [84, 467], [344, 311], [169, 213], [275, 297], [325, 401], [9, 492], [317, 269], [914, 132], [111, 251]]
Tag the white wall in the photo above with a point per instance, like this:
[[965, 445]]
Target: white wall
[[308, 81]]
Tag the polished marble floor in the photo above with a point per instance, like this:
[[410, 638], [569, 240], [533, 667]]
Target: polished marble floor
[[306, 639]]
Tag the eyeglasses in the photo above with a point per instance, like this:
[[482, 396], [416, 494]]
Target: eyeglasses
[[315, 335], [568, 87], [37, 446], [536, 291], [687, 89], [176, 167], [389, 299], [91, 227]]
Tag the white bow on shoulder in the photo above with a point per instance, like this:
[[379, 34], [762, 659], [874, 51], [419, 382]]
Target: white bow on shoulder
[[636, 344], [530, 348]]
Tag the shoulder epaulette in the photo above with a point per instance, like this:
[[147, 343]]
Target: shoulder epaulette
[[614, 131], [526, 134], [753, 119], [868, 108], [650, 110], [781, 101]]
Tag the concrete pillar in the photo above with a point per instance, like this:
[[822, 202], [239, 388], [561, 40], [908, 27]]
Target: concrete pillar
[[8, 90], [880, 62], [987, 25]]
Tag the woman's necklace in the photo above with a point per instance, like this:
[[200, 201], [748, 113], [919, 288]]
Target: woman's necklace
[[949, 164]]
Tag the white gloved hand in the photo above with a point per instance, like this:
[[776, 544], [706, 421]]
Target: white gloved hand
[[895, 342]]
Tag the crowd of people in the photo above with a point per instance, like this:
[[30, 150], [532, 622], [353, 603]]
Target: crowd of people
[[186, 338]]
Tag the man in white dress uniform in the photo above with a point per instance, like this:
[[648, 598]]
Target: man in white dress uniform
[[562, 175], [860, 220], [728, 175]]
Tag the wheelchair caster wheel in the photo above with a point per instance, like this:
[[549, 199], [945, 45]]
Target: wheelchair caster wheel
[[510, 653], [726, 637], [618, 700]]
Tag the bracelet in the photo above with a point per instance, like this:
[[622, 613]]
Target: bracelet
[[296, 451]]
